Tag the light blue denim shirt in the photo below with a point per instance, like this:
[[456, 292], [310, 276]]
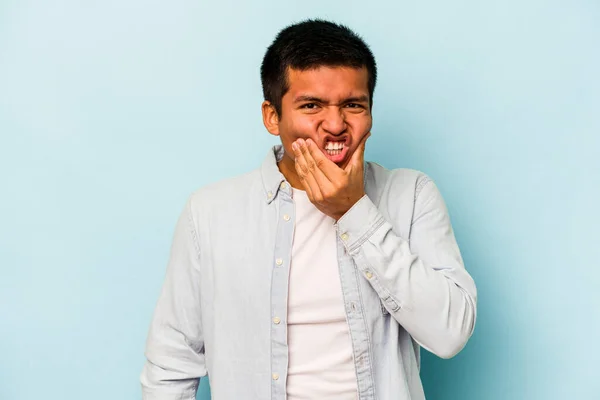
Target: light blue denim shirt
[[403, 281]]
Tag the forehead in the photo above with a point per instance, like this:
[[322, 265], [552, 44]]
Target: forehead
[[328, 81]]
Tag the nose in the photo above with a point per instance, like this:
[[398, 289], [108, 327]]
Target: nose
[[334, 121]]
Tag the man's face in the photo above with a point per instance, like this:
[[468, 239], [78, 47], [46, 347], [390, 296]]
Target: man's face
[[329, 105]]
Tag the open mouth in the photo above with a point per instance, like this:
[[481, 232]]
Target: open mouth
[[335, 151]]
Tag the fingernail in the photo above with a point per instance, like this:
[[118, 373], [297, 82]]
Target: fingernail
[[294, 146]]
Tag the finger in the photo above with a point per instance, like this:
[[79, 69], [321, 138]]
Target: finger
[[303, 171], [358, 158], [305, 184], [327, 167], [321, 164]]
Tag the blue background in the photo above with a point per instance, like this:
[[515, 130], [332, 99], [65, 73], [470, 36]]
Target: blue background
[[113, 112]]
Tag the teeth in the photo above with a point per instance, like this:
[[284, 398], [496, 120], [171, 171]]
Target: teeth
[[334, 146]]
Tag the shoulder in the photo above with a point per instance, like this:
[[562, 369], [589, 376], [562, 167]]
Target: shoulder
[[224, 193], [398, 181], [404, 194]]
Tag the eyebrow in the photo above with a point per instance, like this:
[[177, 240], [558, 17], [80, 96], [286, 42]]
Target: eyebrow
[[354, 99]]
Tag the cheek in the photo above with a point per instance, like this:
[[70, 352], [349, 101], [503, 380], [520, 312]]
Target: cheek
[[304, 126], [299, 127], [360, 123], [359, 129]]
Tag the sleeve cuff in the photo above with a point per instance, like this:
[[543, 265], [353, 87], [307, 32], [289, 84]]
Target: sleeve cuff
[[359, 222]]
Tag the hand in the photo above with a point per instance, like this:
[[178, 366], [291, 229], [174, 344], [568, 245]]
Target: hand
[[331, 189]]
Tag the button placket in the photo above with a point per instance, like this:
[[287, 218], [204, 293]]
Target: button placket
[[350, 280], [279, 291]]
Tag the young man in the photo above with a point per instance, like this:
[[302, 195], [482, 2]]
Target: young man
[[317, 275]]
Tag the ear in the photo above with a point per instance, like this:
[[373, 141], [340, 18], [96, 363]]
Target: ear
[[270, 118]]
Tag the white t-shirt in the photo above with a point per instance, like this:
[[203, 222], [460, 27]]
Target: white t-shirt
[[321, 363]]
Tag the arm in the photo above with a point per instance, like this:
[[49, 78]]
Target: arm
[[421, 281], [175, 345]]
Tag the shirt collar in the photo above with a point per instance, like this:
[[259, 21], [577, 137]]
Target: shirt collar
[[271, 176]]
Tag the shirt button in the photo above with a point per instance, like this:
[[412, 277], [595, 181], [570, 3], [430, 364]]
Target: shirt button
[[270, 194], [286, 217], [276, 320], [344, 236], [368, 274], [275, 377], [279, 261], [283, 185]]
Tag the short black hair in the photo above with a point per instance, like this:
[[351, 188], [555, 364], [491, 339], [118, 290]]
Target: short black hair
[[311, 44]]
